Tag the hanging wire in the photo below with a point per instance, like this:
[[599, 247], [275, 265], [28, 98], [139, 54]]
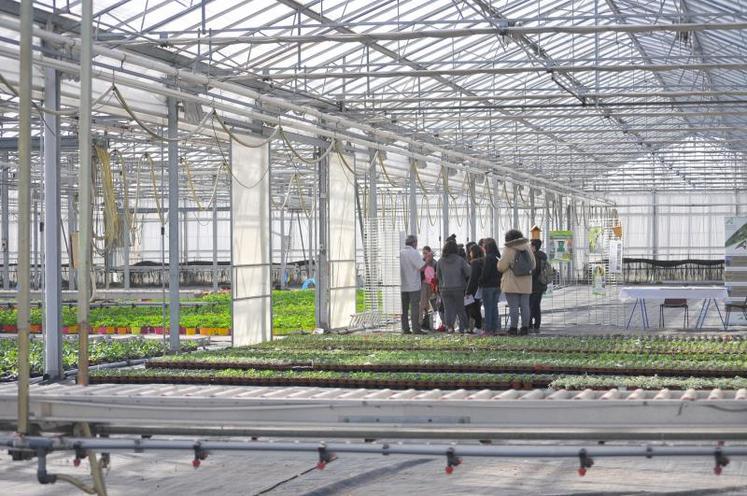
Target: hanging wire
[[313, 161], [45, 110], [190, 182], [459, 222], [386, 174], [156, 196], [233, 136], [431, 222], [505, 193]]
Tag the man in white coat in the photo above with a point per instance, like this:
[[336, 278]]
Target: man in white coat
[[410, 264]]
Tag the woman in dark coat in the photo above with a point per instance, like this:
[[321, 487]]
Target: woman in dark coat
[[476, 262]]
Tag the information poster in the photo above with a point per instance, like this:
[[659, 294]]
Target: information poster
[[616, 256], [736, 236], [735, 265], [561, 246], [596, 240]]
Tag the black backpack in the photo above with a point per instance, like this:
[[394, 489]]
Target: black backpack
[[522, 265], [546, 273]]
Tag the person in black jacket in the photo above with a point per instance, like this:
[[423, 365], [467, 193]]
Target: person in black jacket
[[490, 282], [476, 262], [538, 289]]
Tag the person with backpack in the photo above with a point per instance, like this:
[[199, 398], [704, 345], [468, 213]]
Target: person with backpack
[[490, 283], [541, 277], [517, 265]]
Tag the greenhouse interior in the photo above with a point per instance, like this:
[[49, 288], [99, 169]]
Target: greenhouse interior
[[502, 243]]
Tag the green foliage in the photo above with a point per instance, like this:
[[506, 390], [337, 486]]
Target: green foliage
[[99, 351], [292, 311], [595, 362], [567, 344]]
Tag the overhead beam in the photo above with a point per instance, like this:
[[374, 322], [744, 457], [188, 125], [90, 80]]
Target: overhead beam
[[252, 39]]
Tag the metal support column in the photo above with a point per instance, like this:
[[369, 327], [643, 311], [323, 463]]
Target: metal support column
[[24, 213], [532, 210], [283, 250], [373, 176], [412, 203], [126, 248], [173, 159], [85, 200], [445, 205], [654, 227], [72, 226], [494, 210], [5, 226], [322, 274], [34, 282], [515, 217], [185, 235], [472, 210], [547, 220], [215, 244], [52, 258]]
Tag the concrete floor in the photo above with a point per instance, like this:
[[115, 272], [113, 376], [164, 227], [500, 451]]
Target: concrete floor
[[171, 474]]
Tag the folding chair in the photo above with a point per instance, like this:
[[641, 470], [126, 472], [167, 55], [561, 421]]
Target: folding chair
[[674, 303]]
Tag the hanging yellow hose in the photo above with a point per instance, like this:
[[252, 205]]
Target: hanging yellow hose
[[111, 215], [156, 197], [125, 187], [185, 164]]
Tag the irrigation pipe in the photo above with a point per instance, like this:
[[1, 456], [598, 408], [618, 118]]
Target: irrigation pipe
[[328, 451], [204, 80]]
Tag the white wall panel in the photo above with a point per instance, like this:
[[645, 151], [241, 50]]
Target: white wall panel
[[250, 209], [341, 241]]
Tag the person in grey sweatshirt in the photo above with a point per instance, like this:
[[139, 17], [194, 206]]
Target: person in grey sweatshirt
[[453, 273]]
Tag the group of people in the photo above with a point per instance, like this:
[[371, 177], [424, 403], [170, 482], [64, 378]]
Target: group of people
[[467, 281]]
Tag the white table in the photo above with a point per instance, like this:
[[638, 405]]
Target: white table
[[710, 295]]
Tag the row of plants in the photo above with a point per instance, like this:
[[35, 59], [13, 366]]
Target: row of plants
[[477, 361], [406, 380], [293, 311], [100, 350], [317, 378], [566, 344]]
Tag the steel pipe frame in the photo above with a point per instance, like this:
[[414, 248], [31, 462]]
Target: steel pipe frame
[[559, 69], [185, 96], [173, 224], [53, 367], [84, 197], [5, 225], [184, 75], [217, 41], [24, 212]]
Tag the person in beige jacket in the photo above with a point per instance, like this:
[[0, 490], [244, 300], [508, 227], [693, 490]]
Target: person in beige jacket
[[516, 265]]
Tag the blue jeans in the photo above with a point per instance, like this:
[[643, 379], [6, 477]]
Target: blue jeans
[[490, 302]]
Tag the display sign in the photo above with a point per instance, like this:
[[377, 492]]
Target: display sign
[[616, 256], [735, 264], [561, 246], [596, 240], [735, 231]]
